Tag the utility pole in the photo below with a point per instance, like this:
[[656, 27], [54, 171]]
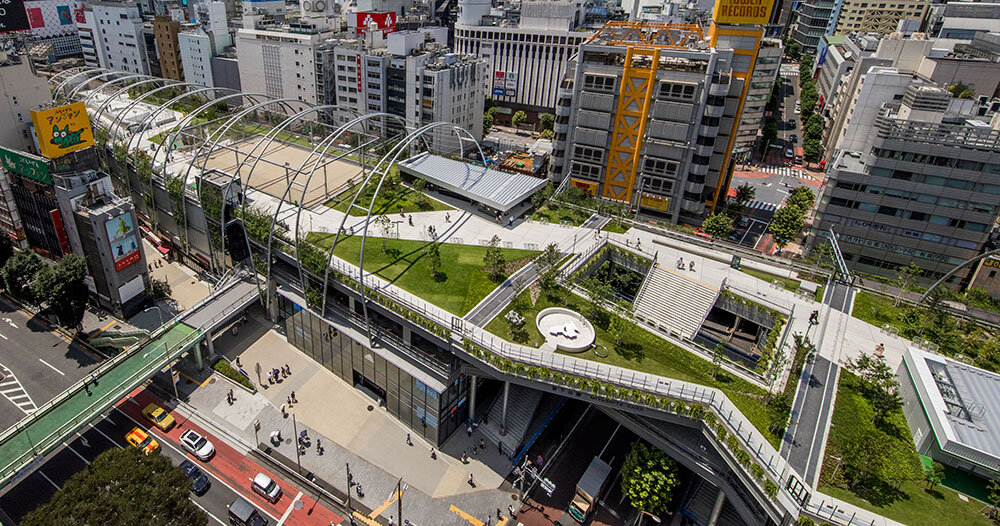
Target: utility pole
[[298, 448], [348, 464], [399, 499]]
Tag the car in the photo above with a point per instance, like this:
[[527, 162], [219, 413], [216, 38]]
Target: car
[[789, 154], [265, 487], [199, 482], [197, 445], [242, 513], [798, 159], [159, 417], [141, 440], [794, 138], [791, 123], [798, 110]]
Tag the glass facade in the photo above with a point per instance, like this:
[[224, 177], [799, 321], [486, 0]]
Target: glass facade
[[429, 413]]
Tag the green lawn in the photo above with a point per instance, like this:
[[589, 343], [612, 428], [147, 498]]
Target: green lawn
[[555, 212], [876, 310], [641, 351], [920, 507], [406, 198], [791, 284], [461, 282], [615, 228]]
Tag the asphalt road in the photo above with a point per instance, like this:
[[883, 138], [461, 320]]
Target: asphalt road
[[43, 362], [229, 471]]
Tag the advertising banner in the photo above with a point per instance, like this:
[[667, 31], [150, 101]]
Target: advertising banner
[[63, 129], [742, 12], [124, 243], [65, 18], [386, 22], [25, 164], [13, 16], [498, 92], [35, 17], [654, 202], [60, 230]]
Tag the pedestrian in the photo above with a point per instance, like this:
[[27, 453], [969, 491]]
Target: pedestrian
[[510, 510], [500, 447], [691, 266], [288, 369], [627, 241], [238, 364], [487, 523], [232, 395], [465, 458], [469, 431], [411, 220], [434, 455], [879, 349], [471, 482], [482, 444], [288, 400], [293, 397], [408, 440], [499, 514], [270, 377], [318, 446], [390, 520], [283, 413], [93, 378], [474, 450], [447, 218]]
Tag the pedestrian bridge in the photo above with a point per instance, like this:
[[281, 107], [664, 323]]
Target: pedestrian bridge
[[24, 445]]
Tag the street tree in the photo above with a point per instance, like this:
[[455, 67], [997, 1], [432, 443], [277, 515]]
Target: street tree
[[812, 150], [934, 474], [649, 478], [745, 193], [434, 259], [792, 50], [813, 127], [718, 225], [488, 117], [546, 120], [63, 290], [805, 67], [519, 118], [18, 273], [769, 134], [122, 487], [494, 259], [802, 197], [808, 97], [6, 249], [787, 224]]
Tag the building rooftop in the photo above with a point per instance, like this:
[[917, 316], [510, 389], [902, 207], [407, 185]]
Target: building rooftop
[[960, 402], [498, 190]]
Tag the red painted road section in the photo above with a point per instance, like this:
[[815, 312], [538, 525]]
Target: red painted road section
[[233, 467]]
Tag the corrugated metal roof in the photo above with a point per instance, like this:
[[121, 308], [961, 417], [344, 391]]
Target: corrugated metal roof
[[493, 188]]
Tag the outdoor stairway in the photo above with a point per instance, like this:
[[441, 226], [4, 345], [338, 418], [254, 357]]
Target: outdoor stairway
[[699, 502], [119, 339], [521, 407], [674, 303]]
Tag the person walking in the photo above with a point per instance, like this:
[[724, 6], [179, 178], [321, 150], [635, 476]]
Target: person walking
[[482, 444], [471, 481], [469, 431], [319, 447], [283, 413], [499, 514], [296, 400], [510, 510], [408, 440]]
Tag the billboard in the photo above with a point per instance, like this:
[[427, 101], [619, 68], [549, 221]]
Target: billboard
[[742, 12], [25, 164], [385, 21], [13, 16], [65, 18], [124, 243], [35, 17], [63, 129], [654, 202]]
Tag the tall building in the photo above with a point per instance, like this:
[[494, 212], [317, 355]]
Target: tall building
[[165, 29], [865, 16], [200, 44], [965, 19], [648, 114], [279, 59], [115, 32], [765, 72], [21, 90], [922, 187], [813, 19], [526, 61]]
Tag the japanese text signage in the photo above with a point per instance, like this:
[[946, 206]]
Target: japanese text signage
[[386, 22], [742, 12], [25, 164], [62, 130], [13, 16]]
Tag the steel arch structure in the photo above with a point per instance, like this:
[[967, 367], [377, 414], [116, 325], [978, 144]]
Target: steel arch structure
[[60, 87]]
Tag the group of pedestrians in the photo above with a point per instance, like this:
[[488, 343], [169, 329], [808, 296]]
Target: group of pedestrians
[[276, 375]]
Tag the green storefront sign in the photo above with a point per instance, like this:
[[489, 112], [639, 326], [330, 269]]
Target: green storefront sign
[[25, 164]]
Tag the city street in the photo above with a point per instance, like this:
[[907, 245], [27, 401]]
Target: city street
[[36, 361], [229, 470]]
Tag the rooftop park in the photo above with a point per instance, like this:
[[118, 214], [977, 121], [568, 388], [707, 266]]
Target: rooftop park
[[394, 197], [573, 204], [870, 457], [453, 277]]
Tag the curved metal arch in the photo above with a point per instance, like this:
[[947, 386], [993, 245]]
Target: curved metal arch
[[395, 153], [952, 272], [219, 133], [78, 87], [115, 95], [112, 82], [116, 125], [59, 88], [326, 144], [66, 71]]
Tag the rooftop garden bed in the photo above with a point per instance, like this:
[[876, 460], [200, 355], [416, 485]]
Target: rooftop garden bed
[[393, 197], [461, 281]]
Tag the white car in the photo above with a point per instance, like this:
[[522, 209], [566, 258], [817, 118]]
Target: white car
[[265, 487], [197, 445]]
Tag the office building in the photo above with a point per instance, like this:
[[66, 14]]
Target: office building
[[527, 61], [115, 32], [648, 115], [199, 50], [279, 59], [872, 17], [21, 90], [813, 20], [962, 20], [765, 72], [165, 30], [920, 188]]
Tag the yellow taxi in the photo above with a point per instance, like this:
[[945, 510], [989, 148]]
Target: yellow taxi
[[158, 416], [140, 439]]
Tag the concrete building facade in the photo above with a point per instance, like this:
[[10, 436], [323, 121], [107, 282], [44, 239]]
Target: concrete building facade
[[21, 91], [165, 30], [864, 16], [280, 60], [115, 31], [765, 72]]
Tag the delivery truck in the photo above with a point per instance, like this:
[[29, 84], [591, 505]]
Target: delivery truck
[[589, 489]]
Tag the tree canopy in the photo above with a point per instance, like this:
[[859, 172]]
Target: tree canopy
[[519, 118], [718, 225], [787, 224], [122, 487], [494, 259], [6, 249], [18, 273], [63, 290], [802, 197], [962, 90], [649, 478], [745, 193], [546, 120]]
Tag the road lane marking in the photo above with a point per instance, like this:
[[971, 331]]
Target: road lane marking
[[2, 336], [52, 367], [69, 447], [44, 476], [385, 505], [472, 520], [288, 511], [16, 394], [208, 512]]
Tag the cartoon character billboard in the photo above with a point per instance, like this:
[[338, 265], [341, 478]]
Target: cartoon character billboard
[[62, 130], [124, 243]]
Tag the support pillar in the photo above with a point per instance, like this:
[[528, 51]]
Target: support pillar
[[407, 335], [720, 499], [503, 414], [472, 398], [272, 300], [197, 357], [210, 346]]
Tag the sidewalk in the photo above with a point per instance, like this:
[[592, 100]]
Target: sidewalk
[[353, 432]]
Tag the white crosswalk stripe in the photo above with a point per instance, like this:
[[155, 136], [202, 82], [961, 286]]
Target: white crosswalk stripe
[[14, 392], [787, 171]]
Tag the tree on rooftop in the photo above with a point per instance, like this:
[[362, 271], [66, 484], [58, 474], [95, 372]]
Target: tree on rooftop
[[718, 355], [122, 486], [649, 478], [787, 224], [18, 273], [494, 259], [877, 382], [597, 290], [385, 225], [718, 225], [962, 90], [620, 321], [434, 259], [934, 474], [62, 288], [550, 256], [906, 278]]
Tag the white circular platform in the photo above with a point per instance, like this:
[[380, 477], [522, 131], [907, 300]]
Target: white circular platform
[[567, 330]]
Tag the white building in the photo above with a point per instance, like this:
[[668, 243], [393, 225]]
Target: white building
[[197, 47], [115, 33], [526, 62], [279, 60], [20, 91]]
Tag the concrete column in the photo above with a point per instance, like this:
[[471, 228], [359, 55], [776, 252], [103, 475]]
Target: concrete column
[[406, 334], [472, 398], [503, 415], [211, 348], [720, 499], [272, 300], [197, 357]]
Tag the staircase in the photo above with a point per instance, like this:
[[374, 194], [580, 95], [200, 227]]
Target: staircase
[[674, 303], [119, 339], [521, 406], [698, 503]]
